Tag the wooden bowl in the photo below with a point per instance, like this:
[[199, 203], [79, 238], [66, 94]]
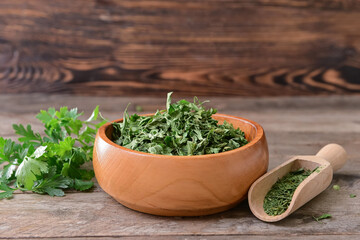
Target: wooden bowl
[[181, 185]]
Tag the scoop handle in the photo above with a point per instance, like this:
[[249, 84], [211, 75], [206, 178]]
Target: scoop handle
[[334, 154]]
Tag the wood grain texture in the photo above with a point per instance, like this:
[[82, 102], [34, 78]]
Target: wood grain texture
[[213, 237], [293, 126], [207, 47]]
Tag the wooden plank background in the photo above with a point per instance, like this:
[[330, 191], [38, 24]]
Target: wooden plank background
[[195, 47]]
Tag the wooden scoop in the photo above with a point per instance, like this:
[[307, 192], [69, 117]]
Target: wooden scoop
[[329, 159]]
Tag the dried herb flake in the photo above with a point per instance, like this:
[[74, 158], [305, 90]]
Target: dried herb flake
[[184, 128], [324, 216], [278, 199]]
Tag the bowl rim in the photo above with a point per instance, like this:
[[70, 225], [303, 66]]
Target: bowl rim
[[258, 136]]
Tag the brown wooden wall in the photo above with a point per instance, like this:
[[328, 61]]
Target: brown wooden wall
[[194, 47]]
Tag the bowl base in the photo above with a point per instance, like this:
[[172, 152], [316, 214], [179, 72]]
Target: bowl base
[[178, 212]]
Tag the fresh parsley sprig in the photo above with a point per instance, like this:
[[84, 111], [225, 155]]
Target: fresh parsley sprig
[[51, 163]]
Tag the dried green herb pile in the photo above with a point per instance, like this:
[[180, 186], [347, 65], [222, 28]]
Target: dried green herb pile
[[278, 199], [184, 128]]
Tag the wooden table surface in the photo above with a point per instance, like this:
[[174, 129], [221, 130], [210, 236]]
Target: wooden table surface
[[300, 125]]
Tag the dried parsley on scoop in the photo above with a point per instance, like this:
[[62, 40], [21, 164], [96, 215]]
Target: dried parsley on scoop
[[279, 197], [184, 129]]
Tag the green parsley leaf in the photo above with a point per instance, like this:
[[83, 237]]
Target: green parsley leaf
[[7, 192], [6, 147], [336, 187], [54, 192], [30, 168], [63, 148], [324, 216], [46, 116], [8, 171], [94, 114], [352, 195], [52, 184], [82, 185], [27, 134]]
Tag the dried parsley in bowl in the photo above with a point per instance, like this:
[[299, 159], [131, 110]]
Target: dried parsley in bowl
[[184, 129]]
